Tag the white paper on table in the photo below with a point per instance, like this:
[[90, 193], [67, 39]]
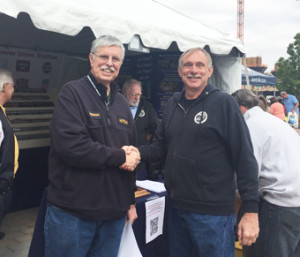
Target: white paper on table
[[155, 211], [128, 245], [153, 186]]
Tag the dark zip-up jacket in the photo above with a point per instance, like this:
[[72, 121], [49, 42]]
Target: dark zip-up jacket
[[146, 122], [87, 134], [7, 154], [204, 146]]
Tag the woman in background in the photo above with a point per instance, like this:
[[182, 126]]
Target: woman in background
[[277, 109]]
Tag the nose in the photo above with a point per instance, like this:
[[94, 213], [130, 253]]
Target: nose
[[194, 69], [109, 61]]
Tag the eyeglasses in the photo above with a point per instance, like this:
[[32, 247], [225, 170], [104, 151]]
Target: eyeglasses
[[134, 95], [106, 58], [12, 84]]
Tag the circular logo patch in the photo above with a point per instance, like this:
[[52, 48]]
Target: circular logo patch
[[142, 114], [200, 117]]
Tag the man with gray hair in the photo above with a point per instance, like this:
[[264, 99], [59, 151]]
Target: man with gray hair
[[291, 105], [204, 141], [9, 149], [145, 119], [277, 150], [91, 179]]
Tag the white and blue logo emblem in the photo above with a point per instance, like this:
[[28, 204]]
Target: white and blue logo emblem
[[200, 117]]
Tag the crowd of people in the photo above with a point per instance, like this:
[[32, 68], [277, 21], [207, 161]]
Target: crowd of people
[[212, 144]]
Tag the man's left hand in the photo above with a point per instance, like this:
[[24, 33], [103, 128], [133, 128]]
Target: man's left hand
[[131, 214]]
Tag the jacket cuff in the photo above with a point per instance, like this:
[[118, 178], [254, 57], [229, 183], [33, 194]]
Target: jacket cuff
[[119, 157], [142, 152], [251, 206]]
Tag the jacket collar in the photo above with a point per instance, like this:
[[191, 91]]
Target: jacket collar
[[208, 90], [254, 111], [114, 88]]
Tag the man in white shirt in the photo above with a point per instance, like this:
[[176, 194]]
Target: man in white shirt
[[277, 149]]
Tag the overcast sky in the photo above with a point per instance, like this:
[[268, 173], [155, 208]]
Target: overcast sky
[[269, 25]]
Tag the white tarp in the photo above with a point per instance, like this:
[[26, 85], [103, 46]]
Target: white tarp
[[156, 25]]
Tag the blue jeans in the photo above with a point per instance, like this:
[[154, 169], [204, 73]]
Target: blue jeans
[[69, 236], [197, 235], [279, 234]]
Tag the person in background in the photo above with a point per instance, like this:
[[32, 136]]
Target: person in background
[[9, 148], [91, 179], [291, 105], [145, 119], [277, 150], [205, 141], [263, 103], [277, 109]]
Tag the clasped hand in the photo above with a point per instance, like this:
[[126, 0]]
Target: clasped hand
[[132, 158]]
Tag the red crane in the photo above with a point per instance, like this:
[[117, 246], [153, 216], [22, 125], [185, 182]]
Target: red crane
[[240, 20]]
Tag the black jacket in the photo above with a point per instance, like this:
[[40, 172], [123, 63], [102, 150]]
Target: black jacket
[[86, 139], [7, 154], [203, 146], [145, 121]]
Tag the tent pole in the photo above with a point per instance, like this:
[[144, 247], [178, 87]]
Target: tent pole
[[248, 86]]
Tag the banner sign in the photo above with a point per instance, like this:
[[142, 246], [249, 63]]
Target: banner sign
[[32, 69]]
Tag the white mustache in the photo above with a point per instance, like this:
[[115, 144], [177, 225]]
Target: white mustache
[[105, 67], [194, 76]]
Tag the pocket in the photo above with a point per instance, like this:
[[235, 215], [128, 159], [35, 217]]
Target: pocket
[[183, 179]]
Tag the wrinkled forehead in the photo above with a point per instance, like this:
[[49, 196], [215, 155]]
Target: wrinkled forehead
[[197, 55], [135, 87]]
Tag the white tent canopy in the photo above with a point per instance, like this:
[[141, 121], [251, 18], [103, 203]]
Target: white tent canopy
[[69, 26]]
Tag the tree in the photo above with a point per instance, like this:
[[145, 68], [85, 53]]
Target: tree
[[288, 71]]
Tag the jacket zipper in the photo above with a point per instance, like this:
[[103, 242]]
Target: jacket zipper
[[106, 103]]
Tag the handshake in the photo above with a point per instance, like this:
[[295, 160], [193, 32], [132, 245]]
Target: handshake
[[132, 158]]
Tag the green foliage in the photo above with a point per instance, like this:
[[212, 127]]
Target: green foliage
[[288, 71]]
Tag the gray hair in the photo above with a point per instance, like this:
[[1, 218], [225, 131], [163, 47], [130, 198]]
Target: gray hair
[[128, 83], [192, 50], [283, 93], [5, 77], [263, 103], [246, 98], [107, 40]]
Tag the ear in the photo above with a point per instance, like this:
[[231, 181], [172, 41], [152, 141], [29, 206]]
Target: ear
[[5, 85], [243, 109], [210, 71], [91, 58], [179, 72]]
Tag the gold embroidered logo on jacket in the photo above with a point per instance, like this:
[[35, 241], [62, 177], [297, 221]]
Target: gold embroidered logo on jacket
[[123, 121]]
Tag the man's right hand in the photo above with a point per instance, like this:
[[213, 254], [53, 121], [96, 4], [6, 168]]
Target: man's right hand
[[132, 158]]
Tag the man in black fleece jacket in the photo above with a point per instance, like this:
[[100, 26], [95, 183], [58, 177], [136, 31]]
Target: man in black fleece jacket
[[145, 119], [205, 141], [91, 178]]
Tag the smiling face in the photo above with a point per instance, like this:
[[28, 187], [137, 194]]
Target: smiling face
[[194, 72], [106, 63]]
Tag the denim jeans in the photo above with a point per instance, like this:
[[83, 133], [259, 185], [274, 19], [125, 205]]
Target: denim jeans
[[279, 234], [197, 235], [69, 236]]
